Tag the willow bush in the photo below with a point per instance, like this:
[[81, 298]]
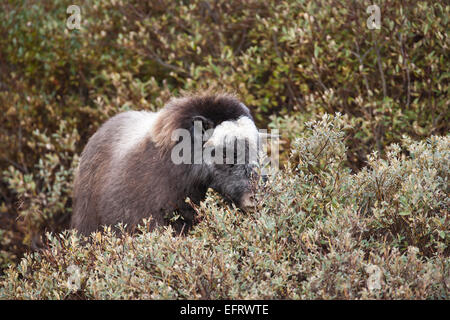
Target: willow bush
[[313, 236], [291, 62]]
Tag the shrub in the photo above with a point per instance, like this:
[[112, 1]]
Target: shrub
[[43, 196], [313, 236], [291, 62]]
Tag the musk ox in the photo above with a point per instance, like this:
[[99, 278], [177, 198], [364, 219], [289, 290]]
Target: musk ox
[[129, 171]]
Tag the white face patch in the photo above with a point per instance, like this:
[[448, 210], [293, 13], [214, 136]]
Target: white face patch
[[134, 128], [228, 131]]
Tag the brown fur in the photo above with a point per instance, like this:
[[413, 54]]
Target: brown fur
[[179, 112]]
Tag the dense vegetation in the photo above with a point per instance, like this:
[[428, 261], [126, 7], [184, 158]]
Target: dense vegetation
[[360, 208]]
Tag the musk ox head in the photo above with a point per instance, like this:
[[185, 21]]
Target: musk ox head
[[231, 154], [218, 138]]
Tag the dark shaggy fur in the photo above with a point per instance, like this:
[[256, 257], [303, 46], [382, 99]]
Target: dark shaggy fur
[[145, 183]]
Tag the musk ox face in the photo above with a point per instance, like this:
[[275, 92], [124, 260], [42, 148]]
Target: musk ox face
[[229, 152], [234, 147], [235, 183], [234, 176], [227, 148]]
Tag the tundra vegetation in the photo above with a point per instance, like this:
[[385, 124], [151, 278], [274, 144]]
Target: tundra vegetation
[[359, 209]]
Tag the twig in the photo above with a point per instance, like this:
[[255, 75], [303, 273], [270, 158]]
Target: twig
[[380, 69], [15, 164], [406, 66], [361, 64]]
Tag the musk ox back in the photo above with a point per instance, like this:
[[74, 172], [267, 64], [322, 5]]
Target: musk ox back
[[142, 164]]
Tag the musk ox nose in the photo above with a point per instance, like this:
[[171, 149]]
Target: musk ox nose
[[247, 201]]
